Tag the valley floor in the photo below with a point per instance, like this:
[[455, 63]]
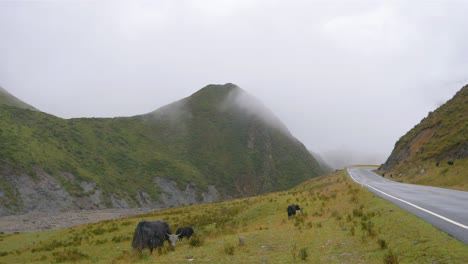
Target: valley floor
[[50, 221]]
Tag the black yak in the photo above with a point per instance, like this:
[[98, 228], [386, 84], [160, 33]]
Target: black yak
[[186, 231], [152, 234], [450, 163], [292, 210]]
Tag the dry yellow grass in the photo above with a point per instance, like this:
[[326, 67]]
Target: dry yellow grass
[[343, 223]]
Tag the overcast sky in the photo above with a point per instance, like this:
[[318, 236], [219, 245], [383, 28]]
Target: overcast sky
[[348, 78]]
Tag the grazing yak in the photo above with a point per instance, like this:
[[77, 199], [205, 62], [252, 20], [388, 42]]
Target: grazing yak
[[152, 234], [292, 210], [186, 231]]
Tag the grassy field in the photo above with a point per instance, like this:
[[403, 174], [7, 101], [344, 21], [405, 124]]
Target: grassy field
[[342, 223]]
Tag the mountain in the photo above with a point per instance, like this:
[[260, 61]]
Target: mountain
[[424, 153], [216, 144], [7, 99]]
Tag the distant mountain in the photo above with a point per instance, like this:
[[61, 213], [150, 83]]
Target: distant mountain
[[8, 99], [215, 144], [424, 153]]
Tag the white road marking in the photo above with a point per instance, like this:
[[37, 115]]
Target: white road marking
[[415, 206]]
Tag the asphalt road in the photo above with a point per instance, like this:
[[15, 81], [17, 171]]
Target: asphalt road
[[444, 208]]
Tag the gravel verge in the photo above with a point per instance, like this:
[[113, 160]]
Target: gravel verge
[[49, 221]]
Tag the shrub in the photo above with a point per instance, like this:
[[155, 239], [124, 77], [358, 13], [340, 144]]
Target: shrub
[[357, 212], [382, 243], [126, 223], [196, 241], [49, 246], [100, 242], [229, 249], [303, 254], [118, 239], [391, 258], [72, 255], [335, 213], [112, 229], [368, 227], [98, 231]]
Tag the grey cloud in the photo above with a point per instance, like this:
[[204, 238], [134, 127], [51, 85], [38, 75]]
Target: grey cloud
[[338, 73]]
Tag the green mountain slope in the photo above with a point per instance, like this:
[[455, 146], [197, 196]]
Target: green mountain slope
[[217, 139], [7, 99], [423, 154]]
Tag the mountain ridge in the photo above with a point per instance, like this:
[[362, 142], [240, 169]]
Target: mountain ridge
[[8, 99], [197, 149]]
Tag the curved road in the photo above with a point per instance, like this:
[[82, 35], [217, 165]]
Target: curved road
[[444, 208]]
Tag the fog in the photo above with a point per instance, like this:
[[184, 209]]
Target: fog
[[347, 78], [241, 100]]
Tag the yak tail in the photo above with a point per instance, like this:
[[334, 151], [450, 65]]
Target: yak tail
[[138, 236]]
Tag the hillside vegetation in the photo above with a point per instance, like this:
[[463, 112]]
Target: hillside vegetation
[[423, 154], [8, 99], [218, 137], [342, 223]]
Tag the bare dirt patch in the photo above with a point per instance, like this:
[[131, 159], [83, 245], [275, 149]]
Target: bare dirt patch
[[48, 221]]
